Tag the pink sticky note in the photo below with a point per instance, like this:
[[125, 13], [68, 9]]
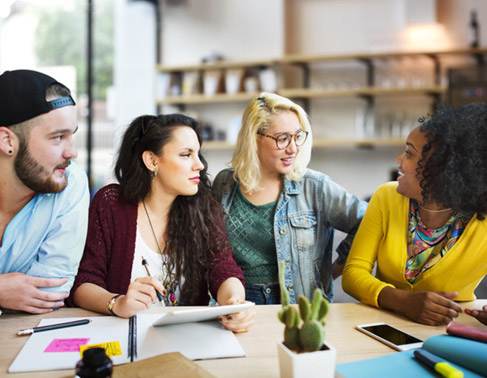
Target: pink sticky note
[[65, 345]]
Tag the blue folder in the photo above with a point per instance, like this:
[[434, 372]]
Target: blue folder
[[466, 355]]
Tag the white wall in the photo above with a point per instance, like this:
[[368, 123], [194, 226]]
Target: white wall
[[347, 26], [455, 15], [344, 26], [135, 60], [239, 30]]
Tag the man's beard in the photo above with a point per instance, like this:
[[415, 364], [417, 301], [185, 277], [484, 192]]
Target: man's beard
[[31, 173]]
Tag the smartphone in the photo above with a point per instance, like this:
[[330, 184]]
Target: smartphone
[[391, 336]]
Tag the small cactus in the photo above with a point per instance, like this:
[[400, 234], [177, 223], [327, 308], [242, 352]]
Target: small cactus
[[305, 330]]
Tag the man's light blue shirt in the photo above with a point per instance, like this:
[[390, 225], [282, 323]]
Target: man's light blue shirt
[[47, 237]]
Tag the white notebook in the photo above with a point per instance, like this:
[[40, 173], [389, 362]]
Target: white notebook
[[59, 349]]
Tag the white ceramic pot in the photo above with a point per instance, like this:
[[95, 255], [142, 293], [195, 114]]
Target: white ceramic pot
[[307, 365]]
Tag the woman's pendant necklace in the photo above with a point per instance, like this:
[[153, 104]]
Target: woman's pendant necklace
[[169, 278]]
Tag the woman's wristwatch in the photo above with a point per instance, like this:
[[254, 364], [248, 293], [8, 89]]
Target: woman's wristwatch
[[111, 303]]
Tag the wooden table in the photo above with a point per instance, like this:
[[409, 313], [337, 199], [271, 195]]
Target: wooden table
[[259, 343]]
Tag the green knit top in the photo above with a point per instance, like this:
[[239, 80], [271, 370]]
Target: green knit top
[[250, 231]]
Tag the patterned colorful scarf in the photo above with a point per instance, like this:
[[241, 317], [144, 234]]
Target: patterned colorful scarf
[[426, 246]]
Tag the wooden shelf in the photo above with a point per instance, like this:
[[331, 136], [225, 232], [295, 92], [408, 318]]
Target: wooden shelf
[[317, 143], [378, 91], [307, 92], [366, 91], [302, 93], [294, 59], [364, 143], [206, 99], [218, 65], [217, 145], [297, 59], [316, 92]]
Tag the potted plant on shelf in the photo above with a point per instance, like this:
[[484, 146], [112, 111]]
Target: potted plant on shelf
[[304, 352]]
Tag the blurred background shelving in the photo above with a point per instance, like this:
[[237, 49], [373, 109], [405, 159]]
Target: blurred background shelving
[[371, 85]]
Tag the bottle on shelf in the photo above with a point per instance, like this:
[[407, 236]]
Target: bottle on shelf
[[474, 29], [94, 364]]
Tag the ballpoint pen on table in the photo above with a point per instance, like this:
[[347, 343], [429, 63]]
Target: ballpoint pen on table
[[30, 331], [437, 364], [146, 266], [132, 342]]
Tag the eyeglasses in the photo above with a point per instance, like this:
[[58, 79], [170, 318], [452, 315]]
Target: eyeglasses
[[283, 140]]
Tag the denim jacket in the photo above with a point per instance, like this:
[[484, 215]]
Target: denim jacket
[[307, 213]]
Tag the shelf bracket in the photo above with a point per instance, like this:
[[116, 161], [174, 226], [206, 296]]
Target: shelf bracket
[[370, 71], [369, 99], [436, 69], [306, 73], [436, 101], [479, 58]]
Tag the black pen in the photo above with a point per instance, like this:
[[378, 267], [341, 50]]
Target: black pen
[[132, 345], [159, 295], [30, 331]]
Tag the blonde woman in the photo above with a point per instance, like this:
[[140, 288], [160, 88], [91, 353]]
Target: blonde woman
[[278, 210]]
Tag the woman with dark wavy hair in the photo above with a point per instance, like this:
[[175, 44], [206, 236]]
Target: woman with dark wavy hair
[[427, 232], [161, 211]]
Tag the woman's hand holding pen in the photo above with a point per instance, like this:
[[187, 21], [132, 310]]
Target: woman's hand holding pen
[[140, 295], [241, 321]]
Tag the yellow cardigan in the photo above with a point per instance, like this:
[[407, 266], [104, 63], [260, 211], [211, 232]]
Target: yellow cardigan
[[382, 238]]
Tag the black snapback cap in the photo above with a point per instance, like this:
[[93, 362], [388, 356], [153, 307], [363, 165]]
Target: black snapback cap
[[23, 96]]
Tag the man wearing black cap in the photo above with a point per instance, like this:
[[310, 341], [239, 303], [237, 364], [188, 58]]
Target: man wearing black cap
[[44, 196]]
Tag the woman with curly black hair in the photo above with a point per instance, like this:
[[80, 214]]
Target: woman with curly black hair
[[427, 232], [162, 212]]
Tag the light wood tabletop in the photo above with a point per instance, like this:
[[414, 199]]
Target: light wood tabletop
[[259, 343]]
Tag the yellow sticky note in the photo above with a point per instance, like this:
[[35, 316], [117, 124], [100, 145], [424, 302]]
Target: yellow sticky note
[[112, 348]]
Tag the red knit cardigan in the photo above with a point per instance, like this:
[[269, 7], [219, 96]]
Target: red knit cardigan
[[110, 246]]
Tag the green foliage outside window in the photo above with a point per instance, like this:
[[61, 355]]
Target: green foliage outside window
[[61, 39]]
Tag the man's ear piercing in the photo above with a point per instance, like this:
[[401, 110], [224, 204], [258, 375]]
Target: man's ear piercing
[[10, 152]]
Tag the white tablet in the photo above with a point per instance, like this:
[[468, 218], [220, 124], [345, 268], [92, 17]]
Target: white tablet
[[180, 315]]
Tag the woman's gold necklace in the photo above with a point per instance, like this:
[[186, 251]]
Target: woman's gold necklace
[[435, 211]]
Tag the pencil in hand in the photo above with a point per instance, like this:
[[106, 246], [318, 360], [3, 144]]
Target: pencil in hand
[[146, 266]]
